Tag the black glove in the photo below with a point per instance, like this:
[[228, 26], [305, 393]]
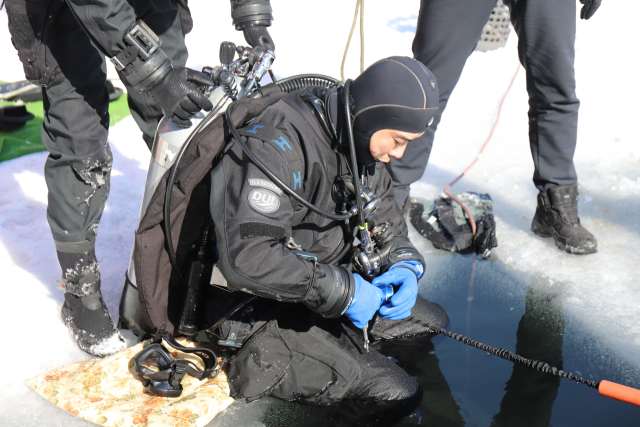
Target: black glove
[[178, 95], [259, 35], [485, 238], [589, 8]]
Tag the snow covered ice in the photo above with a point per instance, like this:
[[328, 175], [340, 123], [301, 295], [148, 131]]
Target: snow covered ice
[[600, 292]]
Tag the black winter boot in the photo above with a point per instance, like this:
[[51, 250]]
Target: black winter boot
[[90, 324], [84, 311], [557, 216]]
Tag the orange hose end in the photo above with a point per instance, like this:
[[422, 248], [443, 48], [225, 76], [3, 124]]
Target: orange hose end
[[619, 392]]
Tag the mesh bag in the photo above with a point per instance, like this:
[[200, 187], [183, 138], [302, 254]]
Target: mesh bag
[[496, 32]]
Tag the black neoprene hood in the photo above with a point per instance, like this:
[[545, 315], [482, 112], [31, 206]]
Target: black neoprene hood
[[394, 93]]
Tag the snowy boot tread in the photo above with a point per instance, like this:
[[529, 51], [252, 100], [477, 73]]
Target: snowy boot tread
[[90, 325], [557, 216]]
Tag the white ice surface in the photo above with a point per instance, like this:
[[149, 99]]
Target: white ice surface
[[602, 290]]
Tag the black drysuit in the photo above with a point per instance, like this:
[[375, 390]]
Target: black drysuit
[[447, 33], [58, 55], [305, 351]]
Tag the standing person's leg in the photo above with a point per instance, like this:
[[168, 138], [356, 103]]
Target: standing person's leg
[[546, 46], [166, 19], [447, 33], [77, 172], [546, 36]]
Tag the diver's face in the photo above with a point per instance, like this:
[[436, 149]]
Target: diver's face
[[388, 143]]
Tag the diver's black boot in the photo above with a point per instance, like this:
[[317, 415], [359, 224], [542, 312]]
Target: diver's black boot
[[84, 311], [90, 324], [557, 216]]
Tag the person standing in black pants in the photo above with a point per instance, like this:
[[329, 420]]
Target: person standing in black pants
[[447, 33], [63, 45]]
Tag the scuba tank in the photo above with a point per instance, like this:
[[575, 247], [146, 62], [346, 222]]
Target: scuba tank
[[168, 142], [170, 138]]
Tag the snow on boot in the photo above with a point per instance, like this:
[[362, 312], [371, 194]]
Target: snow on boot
[[84, 311], [557, 216], [90, 324]]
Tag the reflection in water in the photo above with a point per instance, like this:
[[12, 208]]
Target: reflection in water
[[472, 279], [418, 359], [530, 394]]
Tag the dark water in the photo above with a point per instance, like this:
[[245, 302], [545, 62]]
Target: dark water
[[463, 386]]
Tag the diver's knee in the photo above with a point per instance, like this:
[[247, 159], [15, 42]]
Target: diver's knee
[[431, 313], [423, 315]]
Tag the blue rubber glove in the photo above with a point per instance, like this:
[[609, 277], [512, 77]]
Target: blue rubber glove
[[400, 304], [366, 302]]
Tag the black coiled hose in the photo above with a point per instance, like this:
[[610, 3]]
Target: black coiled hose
[[508, 355]]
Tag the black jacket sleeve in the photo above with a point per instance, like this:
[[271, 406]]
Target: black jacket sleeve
[[108, 21], [105, 21], [245, 13], [253, 222]]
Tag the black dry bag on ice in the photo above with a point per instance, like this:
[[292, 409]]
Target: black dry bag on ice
[[448, 228]]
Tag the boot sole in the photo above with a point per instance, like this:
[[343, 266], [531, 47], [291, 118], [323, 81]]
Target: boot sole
[[97, 349], [543, 231]]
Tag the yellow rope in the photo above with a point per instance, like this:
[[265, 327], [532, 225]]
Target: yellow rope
[[359, 8], [361, 36]]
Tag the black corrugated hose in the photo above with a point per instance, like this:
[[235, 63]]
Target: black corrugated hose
[[303, 80]]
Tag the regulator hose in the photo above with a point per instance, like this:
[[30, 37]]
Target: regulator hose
[[274, 178], [347, 246], [354, 161]]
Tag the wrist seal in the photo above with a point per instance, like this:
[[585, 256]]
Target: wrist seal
[[142, 63], [342, 290], [250, 13]]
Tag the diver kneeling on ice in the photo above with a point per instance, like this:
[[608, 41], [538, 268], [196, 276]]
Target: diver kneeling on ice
[[316, 260]]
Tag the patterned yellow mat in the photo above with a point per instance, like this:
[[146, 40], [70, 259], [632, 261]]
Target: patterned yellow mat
[[107, 392]]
